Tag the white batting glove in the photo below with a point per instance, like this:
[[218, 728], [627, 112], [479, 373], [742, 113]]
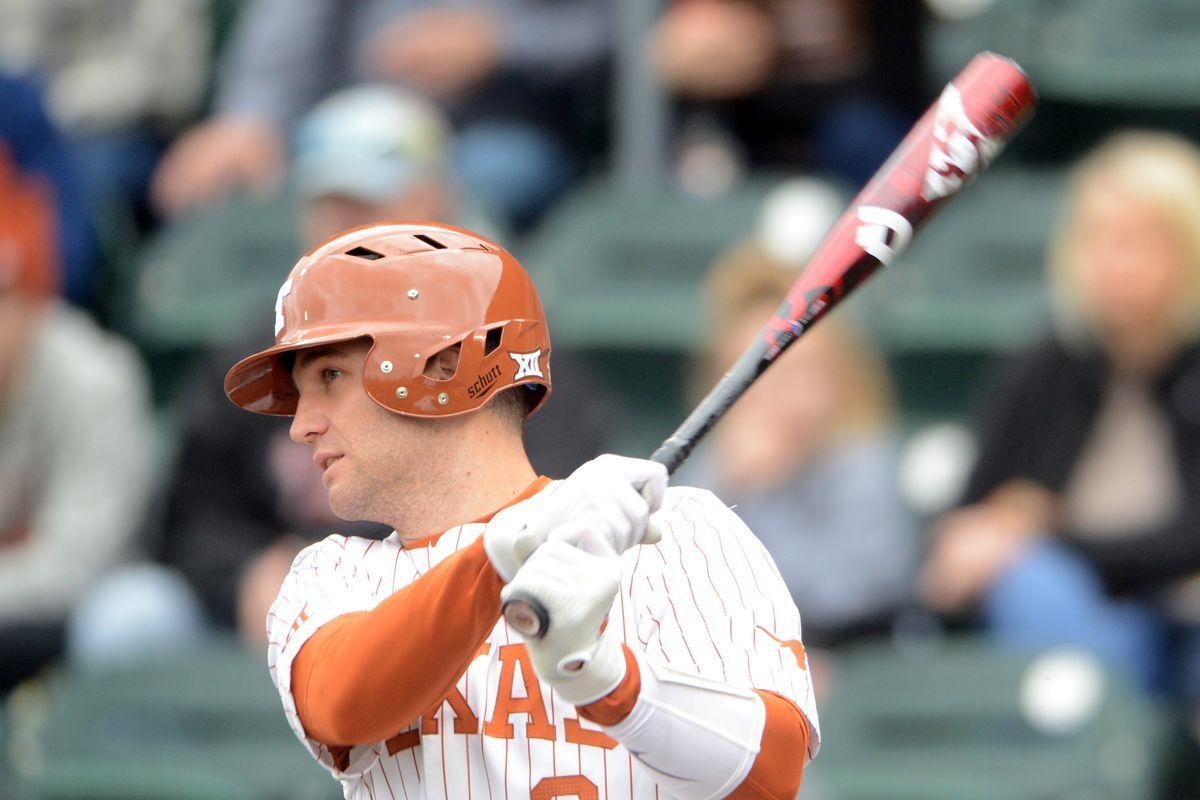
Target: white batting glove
[[577, 589], [610, 497]]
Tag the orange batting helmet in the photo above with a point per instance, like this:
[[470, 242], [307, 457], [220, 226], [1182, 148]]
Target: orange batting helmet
[[414, 289]]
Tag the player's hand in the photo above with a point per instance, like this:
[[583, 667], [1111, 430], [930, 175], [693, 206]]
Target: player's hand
[[216, 158], [715, 50], [576, 588], [609, 500], [438, 51], [972, 547]]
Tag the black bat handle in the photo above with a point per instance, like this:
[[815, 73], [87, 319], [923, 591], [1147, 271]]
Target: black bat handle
[[733, 384]]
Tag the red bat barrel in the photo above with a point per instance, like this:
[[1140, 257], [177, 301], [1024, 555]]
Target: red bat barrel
[[971, 122]]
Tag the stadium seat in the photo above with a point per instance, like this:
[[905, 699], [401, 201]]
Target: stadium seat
[[1125, 52], [6, 770], [964, 721], [624, 271], [621, 278], [199, 276], [203, 725], [196, 281]]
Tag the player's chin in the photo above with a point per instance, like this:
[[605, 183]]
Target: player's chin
[[345, 505]]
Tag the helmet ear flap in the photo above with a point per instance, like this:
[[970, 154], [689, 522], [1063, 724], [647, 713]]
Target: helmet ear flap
[[489, 359], [432, 385], [478, 374]]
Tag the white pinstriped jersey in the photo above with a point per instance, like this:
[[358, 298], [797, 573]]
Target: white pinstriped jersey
[[707, 599]]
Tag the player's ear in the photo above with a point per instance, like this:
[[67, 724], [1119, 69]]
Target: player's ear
[[443, 364]]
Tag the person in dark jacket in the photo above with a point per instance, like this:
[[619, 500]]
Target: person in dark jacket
[[1081, 520]]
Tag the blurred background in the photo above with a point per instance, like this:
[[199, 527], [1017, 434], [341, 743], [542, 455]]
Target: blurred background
[[980, 478]]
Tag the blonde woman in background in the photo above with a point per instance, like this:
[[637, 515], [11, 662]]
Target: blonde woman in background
[[1081, 521], [807, 456]]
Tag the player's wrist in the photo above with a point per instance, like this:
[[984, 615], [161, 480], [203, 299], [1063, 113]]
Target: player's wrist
[[604, 672], [617, 704]]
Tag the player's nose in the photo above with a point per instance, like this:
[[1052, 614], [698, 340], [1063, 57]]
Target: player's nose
[[308, 423]]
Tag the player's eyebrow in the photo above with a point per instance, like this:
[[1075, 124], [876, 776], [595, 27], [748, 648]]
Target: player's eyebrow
[[306, 357]]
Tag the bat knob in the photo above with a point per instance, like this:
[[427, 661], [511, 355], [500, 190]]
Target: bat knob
[[527, 616]]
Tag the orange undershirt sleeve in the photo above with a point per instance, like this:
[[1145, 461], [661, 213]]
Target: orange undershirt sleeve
[[617, 704], [782, 754], [783, 750], [366, 676]]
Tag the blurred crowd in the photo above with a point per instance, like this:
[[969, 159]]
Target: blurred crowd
[[141, 512]]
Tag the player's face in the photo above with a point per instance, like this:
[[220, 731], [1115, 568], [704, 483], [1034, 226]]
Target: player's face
[[377, 465]]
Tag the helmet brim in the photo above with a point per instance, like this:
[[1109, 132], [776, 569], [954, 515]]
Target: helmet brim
[[263, 383]]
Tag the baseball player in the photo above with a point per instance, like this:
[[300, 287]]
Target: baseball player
[[409, 356]]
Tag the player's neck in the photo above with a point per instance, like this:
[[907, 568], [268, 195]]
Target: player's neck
[[485, 477]]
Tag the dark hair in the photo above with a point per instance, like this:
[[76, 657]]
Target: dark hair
[[516, 402]]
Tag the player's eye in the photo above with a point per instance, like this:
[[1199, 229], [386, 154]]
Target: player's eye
[[330, 374]]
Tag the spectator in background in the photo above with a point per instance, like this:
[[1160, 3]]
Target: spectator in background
[[1080, 520], [245, 498], [120, 78], [376, 152], [76, 438], [807, 457], [819, 85], [503, 70], [37, 147]]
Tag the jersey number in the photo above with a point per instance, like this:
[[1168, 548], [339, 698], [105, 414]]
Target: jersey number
[[565, 786]]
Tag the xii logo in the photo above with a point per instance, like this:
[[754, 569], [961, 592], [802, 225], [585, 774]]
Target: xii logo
[[527, 365]]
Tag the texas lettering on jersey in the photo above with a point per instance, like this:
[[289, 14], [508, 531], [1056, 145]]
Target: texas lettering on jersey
[[522, 710], [707, 599]]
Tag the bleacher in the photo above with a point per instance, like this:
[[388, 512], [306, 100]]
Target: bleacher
[[197, 725]]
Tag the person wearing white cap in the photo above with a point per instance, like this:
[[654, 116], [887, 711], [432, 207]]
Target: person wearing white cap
[[375, 152]]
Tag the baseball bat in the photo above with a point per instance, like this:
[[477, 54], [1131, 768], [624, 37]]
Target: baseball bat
[[972, 120]]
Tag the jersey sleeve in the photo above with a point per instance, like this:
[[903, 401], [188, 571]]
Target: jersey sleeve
[[708, 599], [325, 582], [361, 651]]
